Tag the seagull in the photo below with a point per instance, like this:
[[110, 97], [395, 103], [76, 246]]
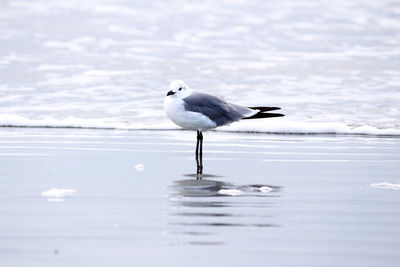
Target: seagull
[[200, 111]]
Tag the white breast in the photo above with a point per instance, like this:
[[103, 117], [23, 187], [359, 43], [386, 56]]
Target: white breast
[[175, 110]]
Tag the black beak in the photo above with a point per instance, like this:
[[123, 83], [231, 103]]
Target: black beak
[[170, 93]]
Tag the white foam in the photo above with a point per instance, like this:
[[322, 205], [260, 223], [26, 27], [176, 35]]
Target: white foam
[[58, 193], [283, 126], [74, 122], [127, 30], [52, 67], [278, 126], [139, 167], [265, 189], [115, 9], [230, 192], [342, 96], [386, 186]]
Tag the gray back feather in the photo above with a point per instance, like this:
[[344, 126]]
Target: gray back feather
[[217, 109]]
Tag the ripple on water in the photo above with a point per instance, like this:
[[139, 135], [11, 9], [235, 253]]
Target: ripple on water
[[197, 208]]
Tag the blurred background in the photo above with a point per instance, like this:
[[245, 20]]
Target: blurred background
[[108, 63]]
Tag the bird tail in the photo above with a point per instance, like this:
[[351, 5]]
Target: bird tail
[[263, 113]]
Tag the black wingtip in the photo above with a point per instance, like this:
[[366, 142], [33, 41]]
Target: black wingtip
[[265, 109], [261, 115]]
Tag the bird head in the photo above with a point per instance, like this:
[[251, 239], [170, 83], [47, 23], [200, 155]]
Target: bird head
[[177, 88]]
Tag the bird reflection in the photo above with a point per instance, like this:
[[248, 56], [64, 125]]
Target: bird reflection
[[199, 209], [199, 163], [197, 188]]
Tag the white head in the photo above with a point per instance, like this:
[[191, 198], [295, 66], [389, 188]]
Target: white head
[[178, 89]]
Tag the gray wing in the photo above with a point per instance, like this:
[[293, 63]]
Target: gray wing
[[217, 109]]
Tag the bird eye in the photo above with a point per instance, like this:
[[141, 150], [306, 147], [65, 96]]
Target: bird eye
[[180, 89]]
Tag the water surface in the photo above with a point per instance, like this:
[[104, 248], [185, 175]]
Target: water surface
[[283, 200]]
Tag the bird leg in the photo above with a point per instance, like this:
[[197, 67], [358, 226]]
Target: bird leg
[[201, 145], [199, 152], [197, 144]]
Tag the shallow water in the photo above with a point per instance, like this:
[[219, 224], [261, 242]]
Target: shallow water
[[73, 197], [108, 63], [280, 200]]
